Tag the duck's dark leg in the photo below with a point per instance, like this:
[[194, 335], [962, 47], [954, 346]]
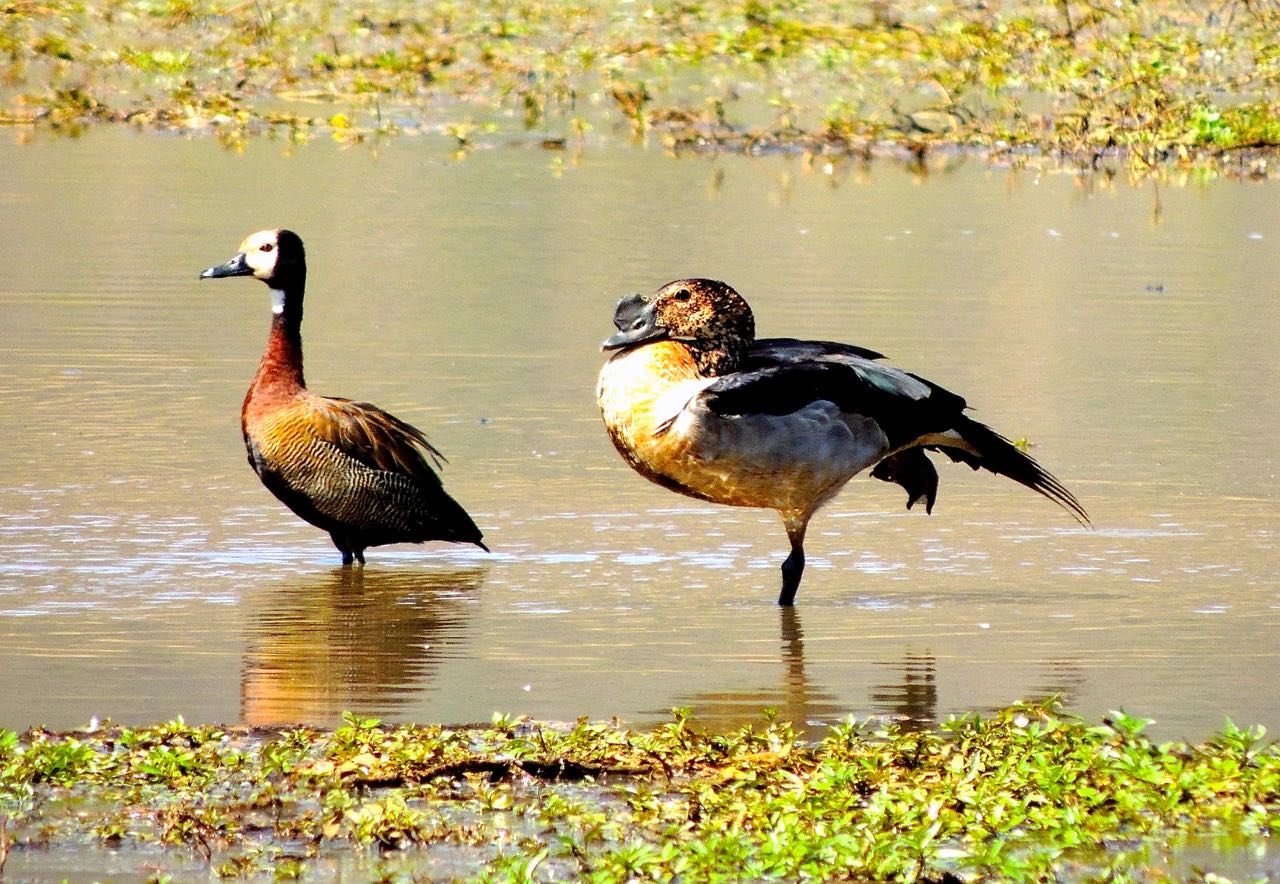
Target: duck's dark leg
[[348, 555], [793, 567]]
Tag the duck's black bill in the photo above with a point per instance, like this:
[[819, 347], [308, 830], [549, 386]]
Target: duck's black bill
[[637, 322], [235, 267]]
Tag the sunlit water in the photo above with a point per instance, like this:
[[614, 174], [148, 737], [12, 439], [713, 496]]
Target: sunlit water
[[1129, 333]]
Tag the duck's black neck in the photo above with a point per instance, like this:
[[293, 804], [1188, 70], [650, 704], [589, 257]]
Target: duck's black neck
[[282, 361]]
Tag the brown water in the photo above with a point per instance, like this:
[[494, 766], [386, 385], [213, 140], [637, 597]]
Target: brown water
[[1130, 333]]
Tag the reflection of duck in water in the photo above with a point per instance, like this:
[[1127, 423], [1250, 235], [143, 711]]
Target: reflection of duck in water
[[912, 701], [808, 707], [350, 640], [346, 467]]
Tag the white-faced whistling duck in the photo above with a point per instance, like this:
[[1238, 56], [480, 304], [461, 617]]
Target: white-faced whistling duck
[[694, 402], [349, 468]]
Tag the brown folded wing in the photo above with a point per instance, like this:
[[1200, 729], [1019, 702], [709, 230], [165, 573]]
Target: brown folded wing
[[375, 438]]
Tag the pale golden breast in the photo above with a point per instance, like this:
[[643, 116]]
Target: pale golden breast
[[650, 400], [640, 392]]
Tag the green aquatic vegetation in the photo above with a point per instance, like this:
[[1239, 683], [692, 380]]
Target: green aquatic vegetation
[[1025, 792], [157, 61], [1150, 83]]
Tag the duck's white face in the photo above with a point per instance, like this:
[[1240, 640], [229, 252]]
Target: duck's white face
[[260, 251], [258, 257], [274, 256]]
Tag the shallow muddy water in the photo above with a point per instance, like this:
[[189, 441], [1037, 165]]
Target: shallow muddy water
[[1129, 333]]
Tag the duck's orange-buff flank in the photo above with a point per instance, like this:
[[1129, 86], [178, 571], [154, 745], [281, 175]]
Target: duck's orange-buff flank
[[349, 468], [694, 402]]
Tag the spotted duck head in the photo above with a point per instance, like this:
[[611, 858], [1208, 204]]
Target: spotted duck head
[[706, 315], [274, 256]]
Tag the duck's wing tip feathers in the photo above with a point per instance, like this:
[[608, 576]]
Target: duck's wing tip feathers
[[995, 453]]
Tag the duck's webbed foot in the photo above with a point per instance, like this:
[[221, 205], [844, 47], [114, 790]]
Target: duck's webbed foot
[[913, 470]]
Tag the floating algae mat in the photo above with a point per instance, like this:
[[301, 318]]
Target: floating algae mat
[[1025, 792]]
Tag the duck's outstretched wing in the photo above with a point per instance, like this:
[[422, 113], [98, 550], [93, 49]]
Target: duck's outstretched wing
[[986, 449], [785, 376]]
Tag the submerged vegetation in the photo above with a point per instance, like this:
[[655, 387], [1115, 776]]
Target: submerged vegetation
[[1150, 82], [1026, 792]]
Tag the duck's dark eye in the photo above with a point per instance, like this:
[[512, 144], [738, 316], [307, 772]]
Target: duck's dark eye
[[266, 247], [682, 295]]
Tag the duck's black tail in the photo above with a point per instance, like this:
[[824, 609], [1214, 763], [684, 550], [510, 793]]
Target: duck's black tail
[[991, 451]]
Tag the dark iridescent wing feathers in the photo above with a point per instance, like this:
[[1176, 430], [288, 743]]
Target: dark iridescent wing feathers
[[782, 375]]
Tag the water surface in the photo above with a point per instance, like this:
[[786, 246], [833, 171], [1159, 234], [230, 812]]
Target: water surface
[[1128, 332]]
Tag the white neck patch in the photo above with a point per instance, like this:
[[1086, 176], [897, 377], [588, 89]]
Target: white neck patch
[[277, 300]]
